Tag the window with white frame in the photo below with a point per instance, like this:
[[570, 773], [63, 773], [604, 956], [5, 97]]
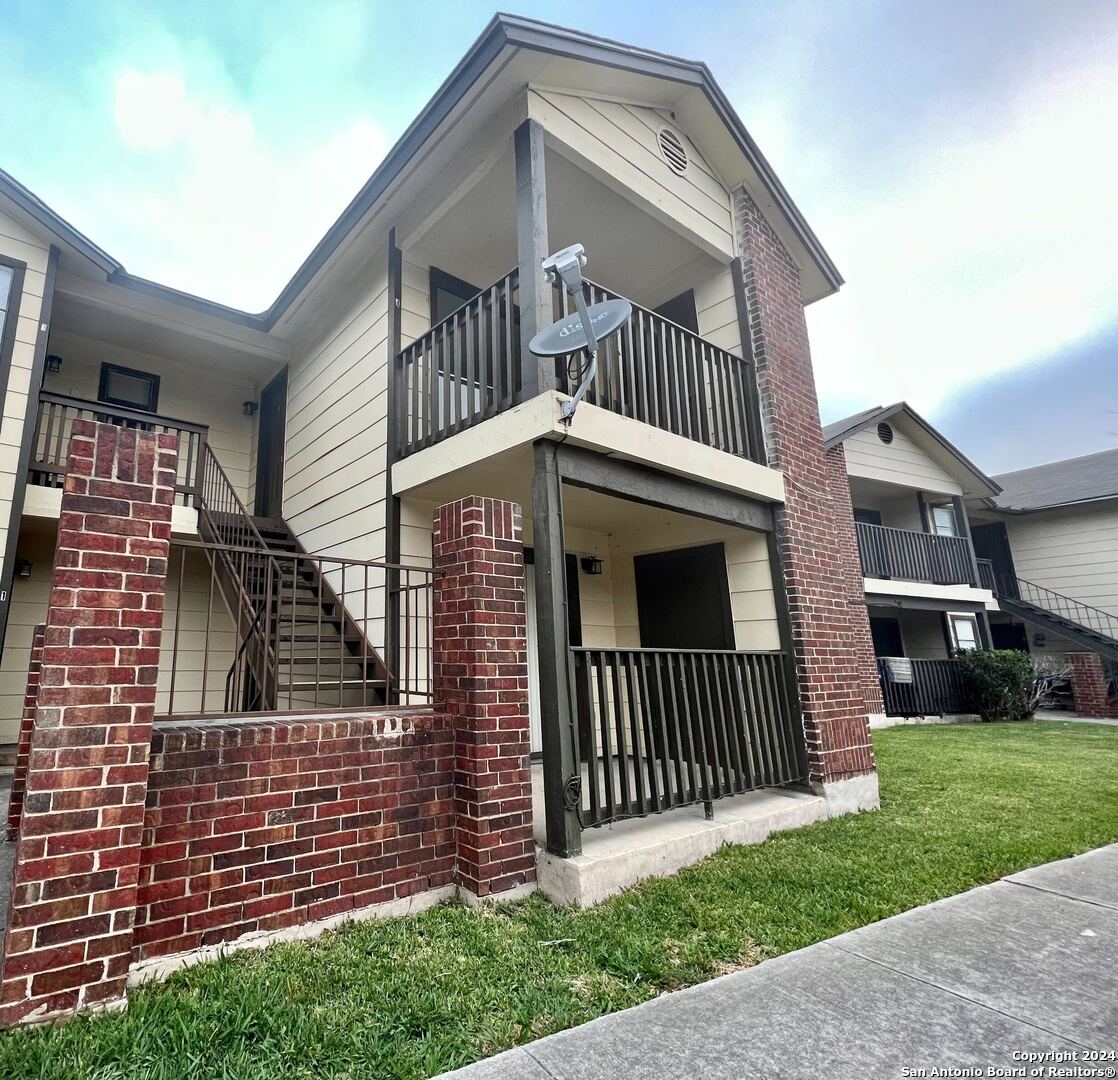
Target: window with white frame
[[7, 276], [943, 521], [964, 632]]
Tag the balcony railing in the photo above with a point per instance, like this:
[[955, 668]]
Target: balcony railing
[[660, 728], [657, 372], [936, 687], [55, 422], [914, 556], [467, 369], [986, 576]]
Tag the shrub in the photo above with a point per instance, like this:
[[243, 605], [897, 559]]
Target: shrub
[[999, 683]]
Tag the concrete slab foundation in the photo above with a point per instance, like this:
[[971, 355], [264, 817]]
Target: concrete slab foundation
[[617, 856]]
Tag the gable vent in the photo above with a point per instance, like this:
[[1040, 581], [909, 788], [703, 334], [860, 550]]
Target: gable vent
[[885, 433], [672, 148]]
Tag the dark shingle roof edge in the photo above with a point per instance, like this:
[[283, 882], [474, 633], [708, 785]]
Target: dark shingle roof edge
[[502, 29]]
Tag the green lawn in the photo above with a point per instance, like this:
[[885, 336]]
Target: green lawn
[[412, 997]]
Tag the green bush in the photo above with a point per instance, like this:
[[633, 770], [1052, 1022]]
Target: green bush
[[999, 683]]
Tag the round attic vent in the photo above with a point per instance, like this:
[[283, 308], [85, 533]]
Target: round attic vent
[[885, 433], [673, 150]]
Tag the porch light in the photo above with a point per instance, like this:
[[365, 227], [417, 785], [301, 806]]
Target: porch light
[[250, 408], [23, 567], [54, 364], [591, 565]]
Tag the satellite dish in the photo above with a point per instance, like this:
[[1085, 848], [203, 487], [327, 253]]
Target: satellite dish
[[568, 336]]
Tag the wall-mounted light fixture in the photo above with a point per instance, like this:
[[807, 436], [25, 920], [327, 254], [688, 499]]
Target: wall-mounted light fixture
[[23, 567], [250, 408], [591, 564], [54, 364]]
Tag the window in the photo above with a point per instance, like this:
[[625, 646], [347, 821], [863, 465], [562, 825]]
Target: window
[[964, 632], [867, 516], [128, 387], [11, 291], [943, 521], [448, 294]]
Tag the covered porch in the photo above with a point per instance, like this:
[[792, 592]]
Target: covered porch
[[659, 675]]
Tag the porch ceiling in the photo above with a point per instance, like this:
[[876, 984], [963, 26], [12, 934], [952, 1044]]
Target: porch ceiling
[[628, 250], [73, 314], [509, 476]]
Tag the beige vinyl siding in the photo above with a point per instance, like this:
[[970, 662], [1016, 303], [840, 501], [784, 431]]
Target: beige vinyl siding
[[899, 512], [415, 300], [922, 634], [1073, 551], [335, 454], [718, 312], [899, 462], [28, 609], [17, 242], [198, 395], [620, 141]]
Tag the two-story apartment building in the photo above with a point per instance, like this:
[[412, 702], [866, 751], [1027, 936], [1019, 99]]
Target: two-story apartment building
[[921, 581], [1051, 538], [953, 559], [687, 573]]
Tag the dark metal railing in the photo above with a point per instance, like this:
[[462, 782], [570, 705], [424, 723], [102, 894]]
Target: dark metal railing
[[986, 575], [462, 371], [54, 424], [657, 372], [661, 728], [1064, 607], [467, 369], [914, 556], [251, 630], [936, 688]]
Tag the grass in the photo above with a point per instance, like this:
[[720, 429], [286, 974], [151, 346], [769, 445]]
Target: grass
[[415, 996]]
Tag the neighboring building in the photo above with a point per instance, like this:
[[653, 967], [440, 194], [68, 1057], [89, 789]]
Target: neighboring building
[[1051, 537], [919, 578], [954, 559], [691, 633]]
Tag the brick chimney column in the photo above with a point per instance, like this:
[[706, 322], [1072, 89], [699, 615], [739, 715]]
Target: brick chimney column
[[810, 525], [481, 682], [68, 943]]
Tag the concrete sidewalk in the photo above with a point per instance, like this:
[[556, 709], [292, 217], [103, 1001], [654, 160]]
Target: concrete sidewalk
[[1027, 965]]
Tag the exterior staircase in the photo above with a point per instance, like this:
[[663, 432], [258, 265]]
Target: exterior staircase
[[297, 644], [1090, 627]]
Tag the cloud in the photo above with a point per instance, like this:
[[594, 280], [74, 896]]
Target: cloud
[[998, 252], [210, 205]]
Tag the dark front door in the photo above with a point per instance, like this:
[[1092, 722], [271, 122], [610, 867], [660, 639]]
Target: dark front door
[[886, 633], [683, 599], [269, 451], [991, 542]]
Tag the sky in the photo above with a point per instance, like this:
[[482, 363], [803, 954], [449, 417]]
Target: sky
[[958, 160]]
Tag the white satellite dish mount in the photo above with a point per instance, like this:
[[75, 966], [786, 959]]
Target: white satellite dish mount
[[569, 335]]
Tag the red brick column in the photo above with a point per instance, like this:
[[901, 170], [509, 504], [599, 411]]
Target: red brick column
[[481, 682], [847, 537], [69, 937], [1088, 686], [23, 748], [814, 565]]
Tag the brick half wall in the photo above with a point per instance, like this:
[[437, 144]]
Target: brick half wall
[[254, 827]]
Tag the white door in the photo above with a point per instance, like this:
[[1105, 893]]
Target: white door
[[534, 727]]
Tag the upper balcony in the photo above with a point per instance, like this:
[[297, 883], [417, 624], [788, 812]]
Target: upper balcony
[[468, 368], [905, 555]]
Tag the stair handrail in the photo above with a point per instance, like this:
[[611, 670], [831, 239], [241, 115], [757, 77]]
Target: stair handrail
[[219, 496], [1066, 607]]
